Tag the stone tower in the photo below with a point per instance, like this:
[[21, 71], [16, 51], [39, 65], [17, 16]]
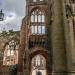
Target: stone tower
[[43, 39]]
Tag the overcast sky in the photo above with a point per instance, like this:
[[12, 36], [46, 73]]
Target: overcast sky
[[14, 11]]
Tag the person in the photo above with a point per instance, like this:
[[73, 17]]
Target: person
[[38, 73]]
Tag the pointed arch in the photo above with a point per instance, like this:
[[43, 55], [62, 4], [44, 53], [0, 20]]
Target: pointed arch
[[39, 8], [37, 22], [38, 62], [11, 52]]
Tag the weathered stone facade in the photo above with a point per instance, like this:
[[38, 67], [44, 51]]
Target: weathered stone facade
[[5, 37], [57, 39], [58, 42], [60, 38]]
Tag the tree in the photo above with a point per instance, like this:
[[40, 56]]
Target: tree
[[13, 70]]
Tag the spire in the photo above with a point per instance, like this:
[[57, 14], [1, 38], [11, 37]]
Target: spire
[[1, 15]]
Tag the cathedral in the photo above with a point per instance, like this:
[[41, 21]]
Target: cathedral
[[46, 43]]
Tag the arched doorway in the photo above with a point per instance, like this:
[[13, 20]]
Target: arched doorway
[[38, 65]]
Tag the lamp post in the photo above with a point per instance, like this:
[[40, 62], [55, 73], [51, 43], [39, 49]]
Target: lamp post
[[1, 15]]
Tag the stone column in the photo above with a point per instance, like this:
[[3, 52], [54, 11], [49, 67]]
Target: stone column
[[21, 47], [69, 38], [58, 40]]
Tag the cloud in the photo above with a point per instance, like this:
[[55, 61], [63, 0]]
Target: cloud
[[11, 21], [8, 18], [14, 11], [16, 23], [15, 6]]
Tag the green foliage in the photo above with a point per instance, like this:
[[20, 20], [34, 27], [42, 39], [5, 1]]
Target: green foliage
[[11, 32], [13, 70], [4, 33]]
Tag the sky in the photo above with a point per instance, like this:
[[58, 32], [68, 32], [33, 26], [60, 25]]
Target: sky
[[14, 12]]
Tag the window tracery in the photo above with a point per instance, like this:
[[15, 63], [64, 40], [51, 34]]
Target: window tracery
[[38, 64], [11, 53], [37, 22], [38, 61]]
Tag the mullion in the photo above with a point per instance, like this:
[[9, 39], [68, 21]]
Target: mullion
[[37, 23], [10, 53], [34, 29], [9, 58], [34, 21], [41, 23]]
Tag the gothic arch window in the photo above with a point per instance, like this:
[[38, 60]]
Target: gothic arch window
[[34, 0], [38, 22], [11, 53], [38, 65]]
